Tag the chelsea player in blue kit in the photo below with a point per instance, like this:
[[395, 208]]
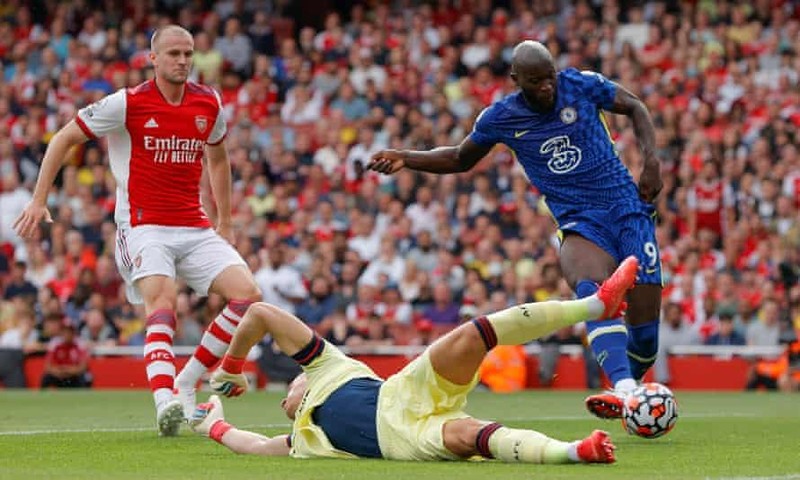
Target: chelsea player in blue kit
[[554, 124]]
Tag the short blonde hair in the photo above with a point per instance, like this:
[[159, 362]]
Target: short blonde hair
[[164, 30]]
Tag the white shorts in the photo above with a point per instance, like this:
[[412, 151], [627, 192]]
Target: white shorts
[[197, 255]]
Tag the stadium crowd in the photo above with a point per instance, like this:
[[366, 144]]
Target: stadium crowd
[[370, 259]]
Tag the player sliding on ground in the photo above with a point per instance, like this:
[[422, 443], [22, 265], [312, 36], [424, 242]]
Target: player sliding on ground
[[341, 408]]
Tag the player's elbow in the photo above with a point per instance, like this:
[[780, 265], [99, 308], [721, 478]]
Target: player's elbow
[[638, 109], [461, 162]]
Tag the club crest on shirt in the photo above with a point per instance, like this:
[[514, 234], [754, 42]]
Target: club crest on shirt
[[568, 115], [201, 122]]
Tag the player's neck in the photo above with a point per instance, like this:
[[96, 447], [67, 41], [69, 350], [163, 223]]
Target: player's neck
[[172, 92]]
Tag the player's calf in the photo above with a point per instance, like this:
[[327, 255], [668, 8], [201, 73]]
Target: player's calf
[[528, 446], [642, 347]]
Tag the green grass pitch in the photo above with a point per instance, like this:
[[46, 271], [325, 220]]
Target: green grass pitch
[[102, 435]]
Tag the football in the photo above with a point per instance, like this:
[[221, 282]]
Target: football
[[650, 411]]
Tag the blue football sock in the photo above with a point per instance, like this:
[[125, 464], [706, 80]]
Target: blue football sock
[[608, 339], [642, 347]]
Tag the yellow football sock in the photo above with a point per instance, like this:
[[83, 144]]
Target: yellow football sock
[[523, 446], [522, 323]]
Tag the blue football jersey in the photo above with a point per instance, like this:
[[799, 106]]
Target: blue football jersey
[[568, 153]]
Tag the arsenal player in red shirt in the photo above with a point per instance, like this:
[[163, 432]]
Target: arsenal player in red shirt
[[158, 133]]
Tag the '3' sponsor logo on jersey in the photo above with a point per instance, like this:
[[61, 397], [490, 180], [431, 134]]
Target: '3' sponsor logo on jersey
[[564, 156]]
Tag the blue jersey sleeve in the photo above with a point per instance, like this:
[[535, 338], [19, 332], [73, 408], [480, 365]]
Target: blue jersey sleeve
[[600, 90], [483, 132]]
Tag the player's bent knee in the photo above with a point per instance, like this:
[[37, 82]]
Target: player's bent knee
[[163, 301], [459, 436], [268, 314], [261, 312], [253, 293], [467, 337]]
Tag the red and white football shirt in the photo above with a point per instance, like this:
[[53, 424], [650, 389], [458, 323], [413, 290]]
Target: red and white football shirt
[[156, 151], [709, 200]]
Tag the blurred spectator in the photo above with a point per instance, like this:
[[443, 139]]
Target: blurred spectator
[[726, 334], [340, 330], [18, 286], [303, 106], [352, 105], [17, 327], [424, 253], [377, 332], [673, 331], [388, 264], [321, 302], [443, 314], [235, 46], [765, 331], [97, 330], [67, 362], [207, 59], [280, 284], [392, 309], [13, 198]]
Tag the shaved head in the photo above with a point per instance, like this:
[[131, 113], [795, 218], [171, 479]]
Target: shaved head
[[169, 30], [534, 72], [171, 50], [530, 54]]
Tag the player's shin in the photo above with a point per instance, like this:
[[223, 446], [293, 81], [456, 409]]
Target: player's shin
[[213, 344], [523, 323], [642, 347], [159, 356], [609, 342], [521, 446]]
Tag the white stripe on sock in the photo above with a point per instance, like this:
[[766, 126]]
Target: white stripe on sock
[[160, 368], [153, 346], [160, 328], [230, 314], [214, 345], [225, 324]]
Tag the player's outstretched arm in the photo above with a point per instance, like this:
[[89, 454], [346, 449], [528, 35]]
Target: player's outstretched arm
[[209, 420], [250, 443], [453, 159], [626, 103], [25, 225]]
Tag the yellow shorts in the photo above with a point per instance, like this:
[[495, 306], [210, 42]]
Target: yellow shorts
[[413, 407]]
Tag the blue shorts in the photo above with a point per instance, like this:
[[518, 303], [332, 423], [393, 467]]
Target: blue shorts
[[621, 231], [348, 417]]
